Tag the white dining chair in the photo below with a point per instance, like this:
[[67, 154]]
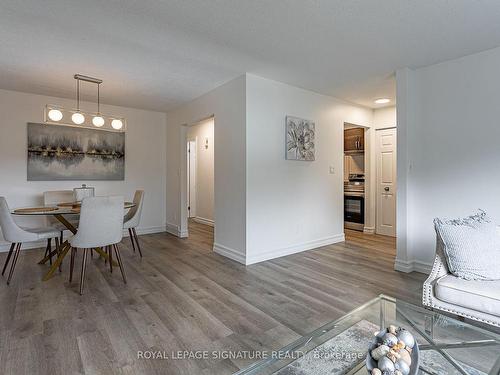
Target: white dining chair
[[16, 235], [55, 197], [132, 219], [101, 226]]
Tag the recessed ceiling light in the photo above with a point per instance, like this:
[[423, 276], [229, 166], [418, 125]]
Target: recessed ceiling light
[[382, 101]]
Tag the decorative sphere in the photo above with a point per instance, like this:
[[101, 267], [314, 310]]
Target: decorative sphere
[[389, 339], [407, 338], [402, 366], [385, 364], [117, 124], [78, 118], [55, 115], [98, 121]]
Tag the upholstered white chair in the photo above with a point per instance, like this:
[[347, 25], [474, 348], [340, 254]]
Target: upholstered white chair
[[132, 219], [17, 236], [475, 299], [101, 225]]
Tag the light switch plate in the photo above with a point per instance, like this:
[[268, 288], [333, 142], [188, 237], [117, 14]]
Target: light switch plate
[[332, 170]]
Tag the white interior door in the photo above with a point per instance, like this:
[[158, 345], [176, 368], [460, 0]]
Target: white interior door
[[191, 175], [386, 181]]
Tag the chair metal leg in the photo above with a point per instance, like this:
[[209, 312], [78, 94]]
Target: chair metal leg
[[72, 264], [82, 276], [110, 253], [61, 237], [137, 242], [12, 245], [14, 261], [48, 250], [131, 235], [120, 263], [58, 248]]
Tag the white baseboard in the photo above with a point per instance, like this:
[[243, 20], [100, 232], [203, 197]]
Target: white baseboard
[[5, 246], [422, 267], [176, 231], [412, 266], [202, 220], [403, 265], [277, 253], [229, 253], [369, 230]]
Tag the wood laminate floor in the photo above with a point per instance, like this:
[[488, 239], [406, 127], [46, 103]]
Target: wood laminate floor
[[182, 296]]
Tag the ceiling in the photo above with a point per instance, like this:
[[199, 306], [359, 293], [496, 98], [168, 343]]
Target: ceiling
[[159, 54]]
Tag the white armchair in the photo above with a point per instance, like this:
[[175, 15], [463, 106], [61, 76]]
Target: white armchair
[[477, 300]]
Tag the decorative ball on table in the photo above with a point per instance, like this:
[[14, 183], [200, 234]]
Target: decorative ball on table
[[394, 352]]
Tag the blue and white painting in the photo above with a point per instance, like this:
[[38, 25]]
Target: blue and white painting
[[58, 152]]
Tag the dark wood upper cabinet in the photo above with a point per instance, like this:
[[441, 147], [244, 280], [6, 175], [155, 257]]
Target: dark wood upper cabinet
[[354, 139]]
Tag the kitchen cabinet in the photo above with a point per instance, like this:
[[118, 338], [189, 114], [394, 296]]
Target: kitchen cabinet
[[354, 140]]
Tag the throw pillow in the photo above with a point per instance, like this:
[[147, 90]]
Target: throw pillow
[[471, 246]]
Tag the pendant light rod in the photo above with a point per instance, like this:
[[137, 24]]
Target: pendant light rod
[[78, 95], [98, 99], [82, 77]]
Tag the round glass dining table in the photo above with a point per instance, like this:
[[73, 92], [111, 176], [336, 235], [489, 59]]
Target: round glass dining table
[[61, 211]]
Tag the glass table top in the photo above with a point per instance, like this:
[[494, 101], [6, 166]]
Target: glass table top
[[447, 345]]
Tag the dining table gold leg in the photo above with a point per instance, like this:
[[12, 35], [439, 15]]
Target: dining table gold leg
[[62, 253]]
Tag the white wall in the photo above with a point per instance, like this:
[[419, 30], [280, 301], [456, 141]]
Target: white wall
[[145, 159], [227, 104], [204, 170], [451, 119], [292, 205], [384, 117]]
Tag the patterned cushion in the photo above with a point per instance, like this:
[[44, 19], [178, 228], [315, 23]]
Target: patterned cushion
[[471, 246]]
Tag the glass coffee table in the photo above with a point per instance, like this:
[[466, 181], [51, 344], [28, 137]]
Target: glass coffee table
[[447, 345]]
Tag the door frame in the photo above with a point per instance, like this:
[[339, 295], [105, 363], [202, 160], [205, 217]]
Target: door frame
[[194, 186]]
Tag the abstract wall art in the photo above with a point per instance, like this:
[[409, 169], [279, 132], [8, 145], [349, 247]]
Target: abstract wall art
[[300, 139], [70, 153]]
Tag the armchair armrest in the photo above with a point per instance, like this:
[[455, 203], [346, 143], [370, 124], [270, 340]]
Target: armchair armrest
[[439, 269]]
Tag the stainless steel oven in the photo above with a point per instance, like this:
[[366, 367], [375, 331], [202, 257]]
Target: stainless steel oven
[[354, 202]]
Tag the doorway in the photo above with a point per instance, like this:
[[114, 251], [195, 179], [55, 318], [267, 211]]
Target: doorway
[[354, 177], [199, 193]]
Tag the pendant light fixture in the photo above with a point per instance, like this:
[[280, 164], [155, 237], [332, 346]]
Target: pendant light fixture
[[58, 115]]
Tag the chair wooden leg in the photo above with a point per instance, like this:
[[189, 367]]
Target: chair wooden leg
[[110, 253], [131, 235], [120, 263], [82, 276], [72, 264], [14, 261], [12, 245], [137, 242]]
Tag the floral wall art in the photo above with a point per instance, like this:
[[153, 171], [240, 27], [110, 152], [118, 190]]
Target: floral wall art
[[300, 139], [71, 153]]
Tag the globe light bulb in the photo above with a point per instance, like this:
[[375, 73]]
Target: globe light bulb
[[55, 115], [117, 124], [77, 118], [98, 121]]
